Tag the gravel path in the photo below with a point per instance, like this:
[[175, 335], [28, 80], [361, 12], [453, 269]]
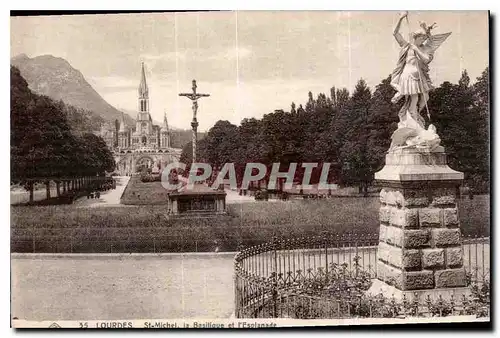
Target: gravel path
[[122, 287], [108, 198]]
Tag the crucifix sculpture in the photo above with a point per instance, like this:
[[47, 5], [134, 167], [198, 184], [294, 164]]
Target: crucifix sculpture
[[194, 96]]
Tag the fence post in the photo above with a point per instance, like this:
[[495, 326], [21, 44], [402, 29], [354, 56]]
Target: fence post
[[33, 233], [275, 280], [325, 243], [236, 287]]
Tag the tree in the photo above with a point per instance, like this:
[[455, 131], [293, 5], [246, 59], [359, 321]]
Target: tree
[[21, 100], [353, 154], [252, 146], [43, 144], [461, 126], [481, 111], [94, 156], [187, 153], [221, 144], [310, 102], [333, 136], [382, 122]]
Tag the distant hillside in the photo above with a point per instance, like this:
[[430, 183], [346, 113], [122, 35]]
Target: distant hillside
[[179, 138], [56, 78]]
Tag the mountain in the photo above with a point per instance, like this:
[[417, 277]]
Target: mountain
[[55, 77]]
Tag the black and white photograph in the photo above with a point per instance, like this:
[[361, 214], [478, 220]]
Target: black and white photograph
[[249, 169]]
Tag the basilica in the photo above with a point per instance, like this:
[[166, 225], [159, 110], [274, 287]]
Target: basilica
[[145, 146]]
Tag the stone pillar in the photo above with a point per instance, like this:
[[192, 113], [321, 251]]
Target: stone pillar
[[175, 210], [219, 205], [420, 245]]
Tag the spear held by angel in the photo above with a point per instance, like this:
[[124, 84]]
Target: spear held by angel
[[411, 80]]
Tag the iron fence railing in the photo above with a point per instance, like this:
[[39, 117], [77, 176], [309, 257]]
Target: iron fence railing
[[119, 244], [273, 279]]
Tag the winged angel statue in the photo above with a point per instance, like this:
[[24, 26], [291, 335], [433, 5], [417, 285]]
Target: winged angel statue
[[411, 80]]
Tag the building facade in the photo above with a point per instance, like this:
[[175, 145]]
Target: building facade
[[144, 146]]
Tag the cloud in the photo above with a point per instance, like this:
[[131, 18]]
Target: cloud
[[232, 53], [113, 83], [168, 56]]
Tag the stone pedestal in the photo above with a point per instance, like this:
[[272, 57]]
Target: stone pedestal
[[200, 200], [420, 245]]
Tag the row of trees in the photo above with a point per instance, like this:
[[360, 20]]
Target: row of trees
[[44, 146], [353, 132]]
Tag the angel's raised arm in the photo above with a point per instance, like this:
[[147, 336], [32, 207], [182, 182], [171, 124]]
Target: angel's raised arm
[[399, 38]]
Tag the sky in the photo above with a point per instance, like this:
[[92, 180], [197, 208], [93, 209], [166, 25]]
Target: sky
[[250, 63]]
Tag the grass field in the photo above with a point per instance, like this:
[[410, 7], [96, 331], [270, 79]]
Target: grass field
[[144, 193], [65, 228]]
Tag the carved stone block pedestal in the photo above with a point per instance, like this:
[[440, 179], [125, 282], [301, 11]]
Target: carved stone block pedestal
[[420, 244]]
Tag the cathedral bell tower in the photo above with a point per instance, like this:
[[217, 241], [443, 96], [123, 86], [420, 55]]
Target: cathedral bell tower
[[144, 125], [123, 140], [165, 133]]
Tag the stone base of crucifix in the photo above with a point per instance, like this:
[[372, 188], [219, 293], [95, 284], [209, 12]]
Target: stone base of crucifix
[[420, 246]]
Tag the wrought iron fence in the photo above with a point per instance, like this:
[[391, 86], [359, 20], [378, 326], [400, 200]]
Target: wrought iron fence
[[282, 278], [119, 244]]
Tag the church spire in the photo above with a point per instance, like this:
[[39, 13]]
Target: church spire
[[143, 86], [165, 133], [165, 122], [122, 124]]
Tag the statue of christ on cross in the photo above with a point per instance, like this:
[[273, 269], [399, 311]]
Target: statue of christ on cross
[[194, 96]]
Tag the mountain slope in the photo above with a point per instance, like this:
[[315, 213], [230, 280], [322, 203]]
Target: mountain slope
[[56, 78]]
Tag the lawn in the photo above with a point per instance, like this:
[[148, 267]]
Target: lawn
[[144, 193], [146, 228]]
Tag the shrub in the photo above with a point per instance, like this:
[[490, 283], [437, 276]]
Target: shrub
[[261, 195], [148, 177]]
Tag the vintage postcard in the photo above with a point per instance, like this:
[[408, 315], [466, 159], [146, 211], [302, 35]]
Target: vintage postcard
[[249, 169]]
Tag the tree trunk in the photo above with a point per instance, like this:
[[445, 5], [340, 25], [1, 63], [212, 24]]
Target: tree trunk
[[47, 185], [58, 188], [31, 188], [64, 187]]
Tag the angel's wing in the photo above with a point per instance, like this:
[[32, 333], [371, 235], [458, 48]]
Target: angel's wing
[[434, 41]]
